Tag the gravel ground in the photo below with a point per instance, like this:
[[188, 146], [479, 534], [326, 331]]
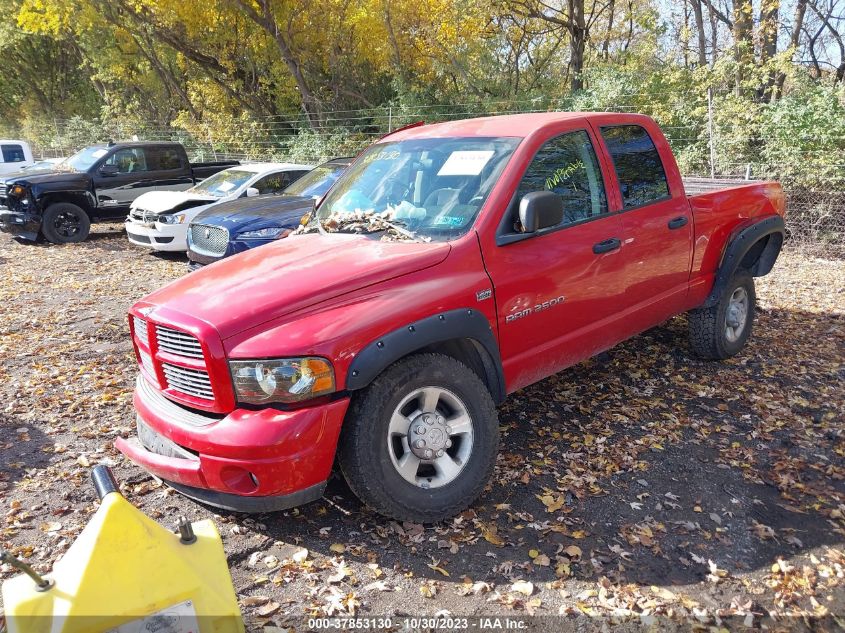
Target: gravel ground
[[639, 484]]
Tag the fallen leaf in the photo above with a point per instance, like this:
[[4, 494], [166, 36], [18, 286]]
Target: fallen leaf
[[267, 609], [523, 586]]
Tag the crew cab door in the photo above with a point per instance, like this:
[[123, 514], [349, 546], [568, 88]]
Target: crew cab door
[[129, 172], [656, 220], [557, 290]]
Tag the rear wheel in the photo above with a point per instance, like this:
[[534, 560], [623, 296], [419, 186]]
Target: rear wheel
[[420, 443], [722, 330], [65, 223]]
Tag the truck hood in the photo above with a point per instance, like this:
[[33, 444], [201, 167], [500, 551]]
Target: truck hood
[[53, 178], [251, 214], [22, 175], [168, 201], [262, 284]]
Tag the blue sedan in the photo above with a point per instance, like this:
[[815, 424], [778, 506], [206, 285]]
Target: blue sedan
[[236, 226]]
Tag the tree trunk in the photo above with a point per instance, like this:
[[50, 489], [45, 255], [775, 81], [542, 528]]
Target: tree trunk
[[266, 20], [577, 42], [699, 27], [794, 39], [743, 43], [769, 22], [605, 49]]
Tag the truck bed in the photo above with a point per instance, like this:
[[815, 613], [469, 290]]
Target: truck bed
[[695, 185]]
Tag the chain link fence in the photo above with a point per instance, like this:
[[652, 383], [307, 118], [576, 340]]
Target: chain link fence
[[704, 146]]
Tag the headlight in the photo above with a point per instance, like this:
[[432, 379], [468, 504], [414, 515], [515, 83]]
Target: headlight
[[17, 190], [281, 380], [176, 218], [269, 233]]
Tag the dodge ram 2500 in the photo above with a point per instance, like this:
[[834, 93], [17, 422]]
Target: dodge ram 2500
[[451, 265]]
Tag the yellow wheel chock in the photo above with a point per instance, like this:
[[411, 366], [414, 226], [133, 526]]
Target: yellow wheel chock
[[127, 574]]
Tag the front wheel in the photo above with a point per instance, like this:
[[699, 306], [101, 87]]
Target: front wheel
[[722, 330], [419, 444], [65, 223]]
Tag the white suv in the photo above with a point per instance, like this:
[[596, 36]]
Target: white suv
[[159, 219]]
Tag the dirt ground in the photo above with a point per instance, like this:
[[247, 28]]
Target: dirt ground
[[641, 486]]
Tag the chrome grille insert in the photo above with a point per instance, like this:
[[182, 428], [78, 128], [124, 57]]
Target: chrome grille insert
[[141, 332], [193, 382], [209, 240], [179, 343], [147, 363]]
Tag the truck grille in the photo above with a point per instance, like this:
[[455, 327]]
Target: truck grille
[[186, 380], [179, 343], [193, 382], [209, 240]]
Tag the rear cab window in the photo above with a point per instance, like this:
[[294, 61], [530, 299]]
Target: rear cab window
[[13, 153], [639, 169]]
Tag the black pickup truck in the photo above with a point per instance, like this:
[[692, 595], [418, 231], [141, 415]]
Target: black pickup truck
[[97, 184]]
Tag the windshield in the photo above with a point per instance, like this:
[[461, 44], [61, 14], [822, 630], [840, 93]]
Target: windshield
[[223, 183], [84, 158], [427, 189], [316, 182]]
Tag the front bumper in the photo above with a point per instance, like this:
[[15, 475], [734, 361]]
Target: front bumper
[[158, 236], [247, 461], [232, 248], [20, 223]]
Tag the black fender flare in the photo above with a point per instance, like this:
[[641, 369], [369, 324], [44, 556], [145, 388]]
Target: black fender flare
[[739, 247], [462, 324]]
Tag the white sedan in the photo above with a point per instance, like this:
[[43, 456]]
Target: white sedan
[[159, 219]]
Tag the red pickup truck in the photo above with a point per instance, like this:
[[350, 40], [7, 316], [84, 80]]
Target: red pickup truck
[[451, 265]]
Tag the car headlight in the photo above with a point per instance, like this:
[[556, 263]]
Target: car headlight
[[281, 380], [17, 191], [271, 232], [175, 218]]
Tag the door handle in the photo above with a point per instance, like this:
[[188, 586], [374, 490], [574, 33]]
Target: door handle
[[607, 245], [678, 222]]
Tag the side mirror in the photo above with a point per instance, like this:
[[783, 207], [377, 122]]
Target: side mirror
[[251, 192], [540, 210], [109, 170]]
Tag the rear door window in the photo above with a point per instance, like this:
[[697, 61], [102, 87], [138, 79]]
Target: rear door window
[[166, 158], [639, 169], [273, 183], [12, 153]]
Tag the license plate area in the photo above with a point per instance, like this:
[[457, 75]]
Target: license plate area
[[159, 445]]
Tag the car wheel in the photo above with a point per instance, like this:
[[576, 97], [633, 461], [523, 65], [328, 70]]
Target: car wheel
[[722, 330], [65, 223], [419, 444]]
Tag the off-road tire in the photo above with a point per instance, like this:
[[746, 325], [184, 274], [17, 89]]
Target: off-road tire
[[707, 326], [363, 451], [51, 221]]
